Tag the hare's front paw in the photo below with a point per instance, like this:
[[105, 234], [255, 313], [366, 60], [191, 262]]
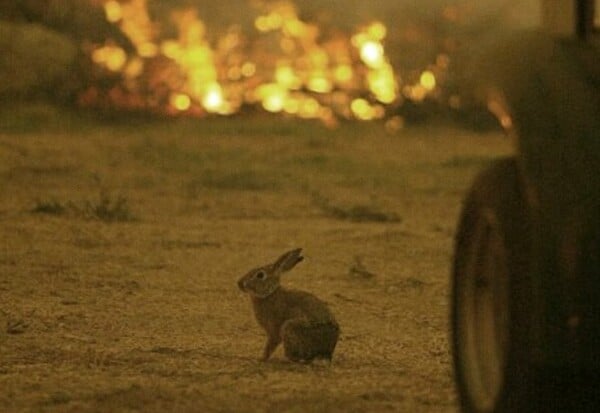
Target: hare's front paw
[[270, 347]]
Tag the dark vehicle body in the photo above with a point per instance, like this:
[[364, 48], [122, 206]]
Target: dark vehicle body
[[526, 275]]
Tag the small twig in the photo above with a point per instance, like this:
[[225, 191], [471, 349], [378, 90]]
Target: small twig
[[16, 326], [347, 299], [359, 269]]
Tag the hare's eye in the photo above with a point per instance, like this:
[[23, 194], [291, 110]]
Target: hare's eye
[[260, 275]]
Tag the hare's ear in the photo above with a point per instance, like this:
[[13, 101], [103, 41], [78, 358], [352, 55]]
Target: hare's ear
[[288, 260]]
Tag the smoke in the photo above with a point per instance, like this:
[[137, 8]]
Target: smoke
[[349, 13], [417, 29]]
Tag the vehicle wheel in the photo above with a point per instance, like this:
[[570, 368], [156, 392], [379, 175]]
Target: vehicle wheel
[[491, 295]]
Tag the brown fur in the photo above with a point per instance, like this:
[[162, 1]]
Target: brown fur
[[300, 320]]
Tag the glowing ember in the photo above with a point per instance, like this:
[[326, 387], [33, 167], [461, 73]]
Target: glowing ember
[[285, 76], [427, 80], [343, 74], [363, 110], [111, 57], [213, 99], [113, 11], [273, 96], [372, 54], [180, 101], [301, 72], [497, 108]]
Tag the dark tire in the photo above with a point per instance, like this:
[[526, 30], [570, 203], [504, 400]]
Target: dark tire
[[492, 296], [526, 283]]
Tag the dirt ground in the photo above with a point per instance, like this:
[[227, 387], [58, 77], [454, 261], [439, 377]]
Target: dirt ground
[[121, 244]]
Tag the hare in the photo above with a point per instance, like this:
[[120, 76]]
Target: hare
[[300, 320]]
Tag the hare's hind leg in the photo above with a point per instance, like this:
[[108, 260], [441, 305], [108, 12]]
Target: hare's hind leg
[[297, 342], [329, 334], [325, 338], [303, 341]]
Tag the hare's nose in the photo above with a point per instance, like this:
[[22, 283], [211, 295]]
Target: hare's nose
[[242, 285]]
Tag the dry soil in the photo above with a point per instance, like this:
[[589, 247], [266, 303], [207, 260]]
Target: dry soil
[[121, 245]]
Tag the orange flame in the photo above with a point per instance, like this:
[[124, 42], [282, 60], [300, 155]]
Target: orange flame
[[288, 70]]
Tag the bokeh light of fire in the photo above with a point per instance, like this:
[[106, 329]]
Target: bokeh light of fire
[[289, 67]]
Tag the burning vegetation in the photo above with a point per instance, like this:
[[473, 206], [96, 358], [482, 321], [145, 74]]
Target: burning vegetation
[[284, 65]]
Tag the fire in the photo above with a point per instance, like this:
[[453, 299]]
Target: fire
[[427, 80], [113, 11], [213, 99], [292, 67], [371, 53], [180, 101], [272, 96], [111, 57]]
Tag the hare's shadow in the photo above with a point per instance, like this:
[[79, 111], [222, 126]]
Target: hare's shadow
[[284, 365]]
